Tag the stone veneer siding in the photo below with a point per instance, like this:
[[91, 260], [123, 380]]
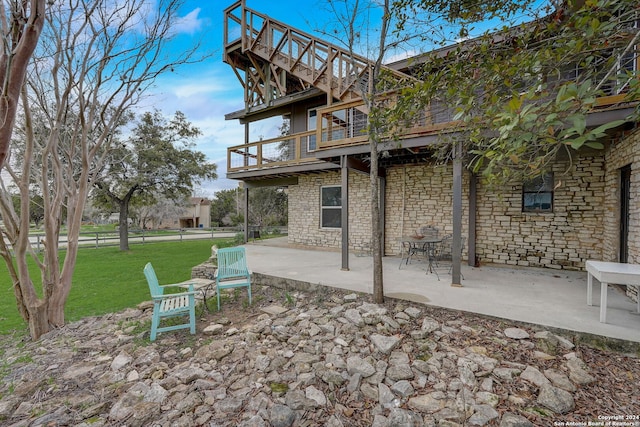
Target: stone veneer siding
[[304, 212], [415, 196], [623, 151], [419, 195], [562, 239], [583, 225]]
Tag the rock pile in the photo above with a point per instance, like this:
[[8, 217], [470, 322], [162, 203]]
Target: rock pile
[[338, 362]]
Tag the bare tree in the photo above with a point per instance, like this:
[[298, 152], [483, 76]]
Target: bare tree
[[97, 59], [352, 29], [22, 23]]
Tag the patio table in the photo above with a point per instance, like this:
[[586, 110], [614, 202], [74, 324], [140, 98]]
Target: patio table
[[410, 245], [201, 285], [610, 272]]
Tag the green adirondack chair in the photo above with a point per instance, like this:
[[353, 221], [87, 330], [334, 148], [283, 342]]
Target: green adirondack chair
[[232, 271], [169, 305]]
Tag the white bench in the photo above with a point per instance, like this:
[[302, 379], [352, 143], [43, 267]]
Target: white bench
[[610, 272]]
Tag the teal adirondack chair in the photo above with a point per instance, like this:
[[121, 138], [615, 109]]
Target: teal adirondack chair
[[169, 305], [232, 271]]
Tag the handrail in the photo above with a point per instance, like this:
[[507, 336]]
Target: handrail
[[314, 62], [228, 15], [346, 123], [281, 151]]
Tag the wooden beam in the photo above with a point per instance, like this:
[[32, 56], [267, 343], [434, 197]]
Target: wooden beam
[[360, 166], [273, 182]]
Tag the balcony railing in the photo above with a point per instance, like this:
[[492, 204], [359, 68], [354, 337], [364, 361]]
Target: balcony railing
[[339, 125], [346, 124], [270, 153]]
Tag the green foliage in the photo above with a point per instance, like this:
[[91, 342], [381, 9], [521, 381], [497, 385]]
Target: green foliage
[[440, 22], [226, 206], [267, 207], [524, 94], [279, 387], [157, 162], [289, 300], [238, 239], [463, 11], [36, 208]]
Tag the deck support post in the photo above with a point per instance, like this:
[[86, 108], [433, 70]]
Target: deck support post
[[471, 241], [345, 212], [456, 243], [246, 214]]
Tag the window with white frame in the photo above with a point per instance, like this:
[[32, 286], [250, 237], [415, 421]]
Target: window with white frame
[[331, 207], [537, 194]]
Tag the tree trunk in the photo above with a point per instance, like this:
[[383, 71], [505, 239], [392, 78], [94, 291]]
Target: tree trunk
[[7, 109], [376, 230], [123, 225], [26, 31], [38, 320], [57, 301]]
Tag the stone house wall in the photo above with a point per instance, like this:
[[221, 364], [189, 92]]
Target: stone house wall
[[622, 152], [415, 196], [304, 212], [583, 225], [562, 239], [419, 195]]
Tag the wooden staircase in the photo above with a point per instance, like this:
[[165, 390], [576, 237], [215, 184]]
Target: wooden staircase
[[278, 60]]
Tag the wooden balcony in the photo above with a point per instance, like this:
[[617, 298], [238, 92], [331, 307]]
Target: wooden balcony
[[340, 125], [272, 153], [274, 61], [346, 124]]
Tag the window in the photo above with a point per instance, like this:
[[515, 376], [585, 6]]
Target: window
[[537, 194], [331, 207], [312, 117]]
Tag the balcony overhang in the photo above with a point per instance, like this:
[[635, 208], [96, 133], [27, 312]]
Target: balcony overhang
[[282, 172], [600, 117], [353, 150]]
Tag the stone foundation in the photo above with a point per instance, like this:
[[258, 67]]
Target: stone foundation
[[207, 269]]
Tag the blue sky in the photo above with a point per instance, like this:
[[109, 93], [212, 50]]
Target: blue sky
[[207, 91]]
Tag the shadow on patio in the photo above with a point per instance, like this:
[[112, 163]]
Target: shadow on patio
[[551, 298]]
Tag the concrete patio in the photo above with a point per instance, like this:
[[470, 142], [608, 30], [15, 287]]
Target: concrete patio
[[551, 298]]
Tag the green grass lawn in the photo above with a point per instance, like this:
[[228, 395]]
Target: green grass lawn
[[107, 280]]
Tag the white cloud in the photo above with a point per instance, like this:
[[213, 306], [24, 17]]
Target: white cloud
[[190, 23], [205, 95], [399, 56]]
